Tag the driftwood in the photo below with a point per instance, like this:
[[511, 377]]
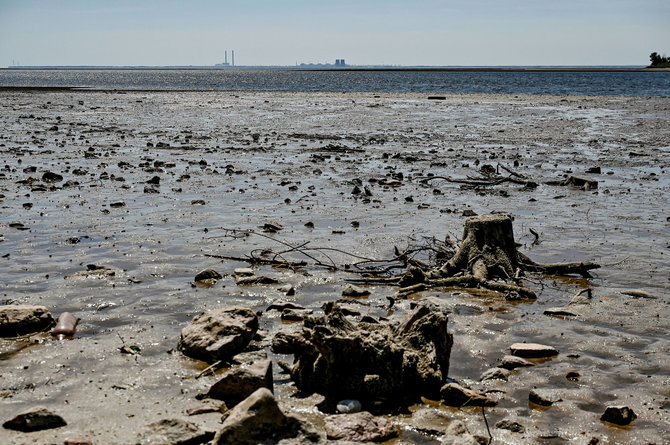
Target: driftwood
[[487, 258]]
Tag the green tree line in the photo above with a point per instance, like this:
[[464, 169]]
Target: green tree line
[[658, 61]]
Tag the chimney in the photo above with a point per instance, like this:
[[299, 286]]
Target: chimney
[[233, 62], [225, 58]]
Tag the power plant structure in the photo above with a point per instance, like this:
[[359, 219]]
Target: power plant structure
[[340, 62], [225, 59]]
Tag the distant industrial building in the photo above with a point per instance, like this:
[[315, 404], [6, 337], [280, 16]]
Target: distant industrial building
[[340, 62], [225, 59]]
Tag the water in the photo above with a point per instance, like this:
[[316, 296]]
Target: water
[[587, 83]]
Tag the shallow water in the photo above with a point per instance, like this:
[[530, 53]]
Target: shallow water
[[309, 149]]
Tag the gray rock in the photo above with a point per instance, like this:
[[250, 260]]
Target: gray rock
[[35, 419], [454, 394], [359, 427], [295, 315], [430, 421], [280, 306], [24, 319], [254, 280], [347, 406], [514, 427], [559, 312], [371, 362], [352, 291], [543, 397], [238, 384], [457, 433], [244, 272], [511, 362], [619, 415], [218, 334], [208, 274], [258, 420], [533, 350], [495, 374], [174, 432]]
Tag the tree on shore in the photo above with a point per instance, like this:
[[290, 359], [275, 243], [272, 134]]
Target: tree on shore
[[658, 61]]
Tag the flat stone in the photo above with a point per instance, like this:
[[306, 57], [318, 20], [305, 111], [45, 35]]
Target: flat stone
[[218, 334], [454, 394], [533, 350], [24, 319], [457, 433], [281, 305], [514, 427], [208, 274], [254, 280], [295, 315], [239, 383], [258, 419], [174, 432], [77, 441], [359, 427], [619, 415], [543, 397], [35, 419], [352, 291], [244, 272], [512, 362], [559, 312], [495, 374]]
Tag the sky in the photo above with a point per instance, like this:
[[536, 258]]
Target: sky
[[363, 32]]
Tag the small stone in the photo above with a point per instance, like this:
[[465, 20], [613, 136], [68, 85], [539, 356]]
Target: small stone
[[359, 427], [174, 431], [495, 374], [348, 406], [457, 433], [542, 398], [533, 350], [287, 289], [295, 315], [219, 334], [272, 227], [255, 280], [117, 204], [511, 362], [636, 293], [514, 427], [208, 274], [238, 384], [619, 415], [352, 291], [23, 319], [51, 177], [559, 312], [35, 419], [454, 394], [244, 272]]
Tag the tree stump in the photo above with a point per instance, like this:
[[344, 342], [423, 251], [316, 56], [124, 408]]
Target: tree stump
[[488, 250]]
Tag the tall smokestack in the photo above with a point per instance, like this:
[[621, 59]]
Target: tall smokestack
[[225, 58], [233, 58]]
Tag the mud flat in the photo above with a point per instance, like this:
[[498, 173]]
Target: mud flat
[[156, 187]]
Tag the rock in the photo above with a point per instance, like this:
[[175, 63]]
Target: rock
[[348, 406], [272, 227], [281, 305], [93, 271], [24, 319], [495, 374], [117, 204], [218, 334], [244, 272], [511, 362], [559, 312], [156, 180], [581, 182], [543, 397], [457, 433], [636, 293], [430, 421], [254, 280], [258, 420], [354, 291], [287, 289], [51, 177], [174, 432], [454, 394], [208, 274], [35, 419], [291, 343], [533, 350], [514, 427], [295, 314], [619, 415], [359, 427], [371, 362], [238, 384]]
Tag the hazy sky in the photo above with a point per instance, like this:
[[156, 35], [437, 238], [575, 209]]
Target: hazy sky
[[285, 32]]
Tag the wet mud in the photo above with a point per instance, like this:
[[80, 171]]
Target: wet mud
[[229, 161]]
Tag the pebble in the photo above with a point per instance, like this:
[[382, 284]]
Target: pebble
[[542, 397], [495, 374], [533, 350], [35, 419], [619, 415], [354, 291], [512, 362], [348, 406]]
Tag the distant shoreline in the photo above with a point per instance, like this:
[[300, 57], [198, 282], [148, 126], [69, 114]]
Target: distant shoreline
[[351, 68]]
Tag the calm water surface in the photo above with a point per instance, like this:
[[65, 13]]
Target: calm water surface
[[507, 82]]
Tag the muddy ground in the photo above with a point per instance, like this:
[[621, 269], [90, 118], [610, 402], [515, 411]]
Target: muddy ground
[[231, 160]]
